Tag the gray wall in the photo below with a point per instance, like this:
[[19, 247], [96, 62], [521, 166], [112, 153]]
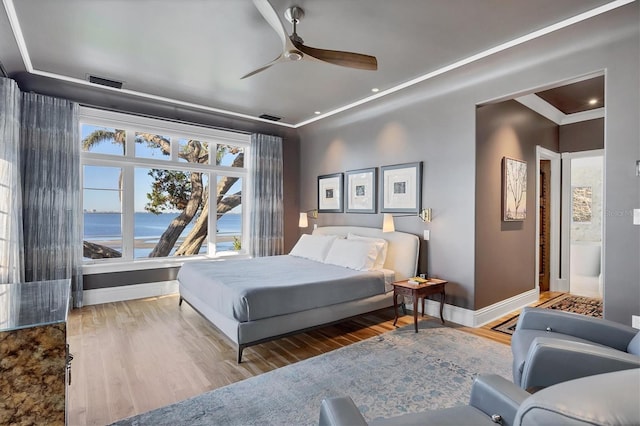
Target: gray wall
[[435, 122], [505, 251]]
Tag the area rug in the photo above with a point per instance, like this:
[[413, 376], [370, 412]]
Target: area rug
[[388, 375], [564, 302]]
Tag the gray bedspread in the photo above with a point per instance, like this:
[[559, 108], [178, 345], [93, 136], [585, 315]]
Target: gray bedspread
[[251, 289]]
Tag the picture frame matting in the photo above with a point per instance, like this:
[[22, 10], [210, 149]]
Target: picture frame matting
[[361, 191]]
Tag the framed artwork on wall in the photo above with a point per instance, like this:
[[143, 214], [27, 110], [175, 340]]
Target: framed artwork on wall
[[401, 188], [361, 190], [330, 193], [514, 190], [581, 201]]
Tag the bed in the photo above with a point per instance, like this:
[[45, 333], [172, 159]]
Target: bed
[[253, 301]]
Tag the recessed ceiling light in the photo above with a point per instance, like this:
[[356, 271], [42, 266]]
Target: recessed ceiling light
[[593, 101], [317, 113], [375, 90]]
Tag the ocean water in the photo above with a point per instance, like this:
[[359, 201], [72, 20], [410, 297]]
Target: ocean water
[[106, 229]]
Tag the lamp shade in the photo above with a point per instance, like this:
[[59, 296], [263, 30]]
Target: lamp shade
[[303, 222], [387, 223]]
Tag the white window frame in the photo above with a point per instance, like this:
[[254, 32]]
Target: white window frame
[[128, 162]]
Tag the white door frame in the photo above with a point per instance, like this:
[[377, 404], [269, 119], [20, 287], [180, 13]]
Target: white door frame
[[565, 255], [555, 281]]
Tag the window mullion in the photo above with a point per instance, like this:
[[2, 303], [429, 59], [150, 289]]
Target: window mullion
[[128, 212], [213, 217]]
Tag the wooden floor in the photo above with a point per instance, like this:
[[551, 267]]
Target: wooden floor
[[135, 356]]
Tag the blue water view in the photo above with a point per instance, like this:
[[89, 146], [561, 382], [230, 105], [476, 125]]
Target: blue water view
[[106, 228]]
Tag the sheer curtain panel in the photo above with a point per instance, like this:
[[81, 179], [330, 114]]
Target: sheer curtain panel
[[267, 214], [11, 268], [50, 159]]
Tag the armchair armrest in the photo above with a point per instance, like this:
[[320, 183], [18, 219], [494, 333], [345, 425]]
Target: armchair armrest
[[595, 330], [550, 361], [494, 394], [340, 411]]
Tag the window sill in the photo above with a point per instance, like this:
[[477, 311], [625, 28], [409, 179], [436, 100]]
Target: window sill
[[102, 267]]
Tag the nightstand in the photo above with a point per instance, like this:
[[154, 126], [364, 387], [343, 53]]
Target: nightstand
[[418, 291]]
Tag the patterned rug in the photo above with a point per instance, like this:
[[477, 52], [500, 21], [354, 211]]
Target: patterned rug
[[565, 302], [388, 375]]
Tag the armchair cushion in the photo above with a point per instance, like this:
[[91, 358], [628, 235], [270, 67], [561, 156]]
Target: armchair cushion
[[551, 360], [581, 333], [610, 399], [521, 343]]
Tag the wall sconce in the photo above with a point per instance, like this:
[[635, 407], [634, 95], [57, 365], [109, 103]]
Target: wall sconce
[[388, 224], [303, 221], [638, 168], [425, 215]]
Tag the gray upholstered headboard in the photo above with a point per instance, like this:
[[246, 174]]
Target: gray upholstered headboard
[[402, 255]]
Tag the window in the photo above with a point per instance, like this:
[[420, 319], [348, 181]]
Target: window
[[149, 186]]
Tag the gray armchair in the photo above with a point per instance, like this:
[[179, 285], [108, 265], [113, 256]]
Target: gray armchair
[[610, 399], [551, 346]]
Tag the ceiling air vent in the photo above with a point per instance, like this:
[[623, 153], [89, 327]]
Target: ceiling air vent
[[105, 82], [270, 117]]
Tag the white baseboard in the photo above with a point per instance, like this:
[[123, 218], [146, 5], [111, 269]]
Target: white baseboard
[[482, 316], [561, 284], [129, 292], [504, 307]]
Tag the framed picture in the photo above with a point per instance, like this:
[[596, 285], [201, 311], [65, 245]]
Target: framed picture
[[330, 193], [581, 201], [360, 190], [514, 190], [401, 188]]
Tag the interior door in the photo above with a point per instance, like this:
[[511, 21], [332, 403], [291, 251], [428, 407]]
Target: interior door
[[583, 203], [544, 243]]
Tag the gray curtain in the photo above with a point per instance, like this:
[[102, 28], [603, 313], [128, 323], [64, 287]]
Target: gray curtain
[[11, 268], [50, 163], [267, 214]]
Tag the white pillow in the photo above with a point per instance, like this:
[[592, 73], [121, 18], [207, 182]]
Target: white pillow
[[381, 244], [355, 254], [313, 247]]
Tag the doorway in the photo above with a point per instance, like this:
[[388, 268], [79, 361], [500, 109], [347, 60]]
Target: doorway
[[583, 201], [548, 202]]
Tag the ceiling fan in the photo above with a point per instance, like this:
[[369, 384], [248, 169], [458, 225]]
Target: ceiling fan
[[294, 48]]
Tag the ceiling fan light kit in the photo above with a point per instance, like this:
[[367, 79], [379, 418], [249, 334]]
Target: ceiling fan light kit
[[294, 48]]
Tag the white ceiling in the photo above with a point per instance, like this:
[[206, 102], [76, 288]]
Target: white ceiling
[[193, 52]]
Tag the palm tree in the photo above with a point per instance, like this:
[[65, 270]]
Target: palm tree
[[174, 190]]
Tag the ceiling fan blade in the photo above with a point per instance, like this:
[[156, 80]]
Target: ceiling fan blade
[[280, 58], [337, 57], [269, 14]]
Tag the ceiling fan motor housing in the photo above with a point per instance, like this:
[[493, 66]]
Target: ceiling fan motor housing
[[294, 14]]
